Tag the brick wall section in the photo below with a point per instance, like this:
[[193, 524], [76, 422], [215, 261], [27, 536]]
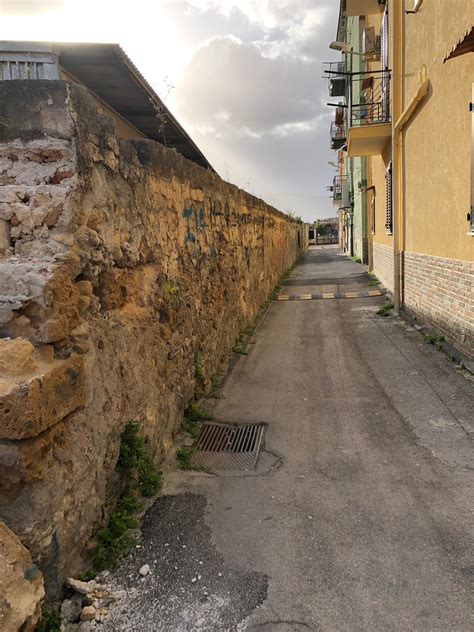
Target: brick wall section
[[441, 292], [126, 275], [383, 265]]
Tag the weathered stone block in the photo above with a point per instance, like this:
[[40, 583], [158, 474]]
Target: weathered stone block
[[21, 585], [17, 357], [38, 403]]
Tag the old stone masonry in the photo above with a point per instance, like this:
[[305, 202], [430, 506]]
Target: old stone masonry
[[123, 268]]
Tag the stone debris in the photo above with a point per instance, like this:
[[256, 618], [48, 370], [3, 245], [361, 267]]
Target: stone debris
[[71, 609], [81, 587], [89, 605], [88, 613], [144, 570]]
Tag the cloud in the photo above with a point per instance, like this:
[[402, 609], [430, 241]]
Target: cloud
[[253, 98], [232, 84], [270, 14], [29, 7]]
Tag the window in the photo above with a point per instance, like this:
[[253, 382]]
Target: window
[[388, 200]]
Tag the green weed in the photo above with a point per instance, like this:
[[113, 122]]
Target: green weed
[[374, 281], [136, 464], [195, 412], [356, 259], [87, 576], [115, 539], [276, 291], [141, 477], [434, 339], [199, 372], [50, 620], [239, 349], [184, 456], [385, 309], [250, 330], [193, 418], [171, 290], [216, 382]]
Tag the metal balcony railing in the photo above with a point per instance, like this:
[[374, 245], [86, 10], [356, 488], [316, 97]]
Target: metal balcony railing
[[334, 68], [338, 136], [336, 188], [370, 99]]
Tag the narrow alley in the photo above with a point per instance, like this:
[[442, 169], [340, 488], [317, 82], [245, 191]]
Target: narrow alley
[[359, 515]]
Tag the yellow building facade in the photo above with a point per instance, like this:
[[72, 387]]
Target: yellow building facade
[[416, 129]]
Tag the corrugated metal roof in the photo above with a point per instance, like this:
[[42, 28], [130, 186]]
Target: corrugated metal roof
[[107, 71]]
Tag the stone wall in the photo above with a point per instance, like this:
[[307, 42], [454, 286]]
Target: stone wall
[[123, 266], [441, 293]]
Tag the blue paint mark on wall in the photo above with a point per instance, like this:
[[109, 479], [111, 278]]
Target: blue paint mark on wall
[[194, 223]]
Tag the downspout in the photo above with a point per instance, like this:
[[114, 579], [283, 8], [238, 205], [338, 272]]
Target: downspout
[[395, 17], [398, 173]]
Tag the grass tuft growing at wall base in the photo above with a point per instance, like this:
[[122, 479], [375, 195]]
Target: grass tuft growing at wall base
[[434, 339], [142, 479], [385, 310]]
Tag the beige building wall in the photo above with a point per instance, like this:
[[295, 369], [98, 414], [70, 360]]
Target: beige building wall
[[437, 141], [438, 284]]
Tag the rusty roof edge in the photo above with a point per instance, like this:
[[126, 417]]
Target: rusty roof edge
[[452, 53], [154, 96]]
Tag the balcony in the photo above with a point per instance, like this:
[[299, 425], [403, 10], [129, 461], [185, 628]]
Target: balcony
[[363, 7], [336, 188], [338, 136], [334, 68], [370, 114]]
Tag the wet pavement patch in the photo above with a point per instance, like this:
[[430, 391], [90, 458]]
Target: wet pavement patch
[[187, 586]]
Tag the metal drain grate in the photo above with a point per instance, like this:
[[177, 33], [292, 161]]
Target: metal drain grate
[[228, 447]]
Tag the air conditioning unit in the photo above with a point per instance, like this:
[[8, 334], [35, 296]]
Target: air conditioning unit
[[337, 87], [371, 45]]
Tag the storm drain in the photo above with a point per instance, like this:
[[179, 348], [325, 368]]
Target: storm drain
[[228, 447]]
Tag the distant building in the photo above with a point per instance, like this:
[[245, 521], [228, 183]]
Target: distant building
[[324, 231]]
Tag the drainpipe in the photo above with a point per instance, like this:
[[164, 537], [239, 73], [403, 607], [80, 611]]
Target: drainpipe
[[398, 174]]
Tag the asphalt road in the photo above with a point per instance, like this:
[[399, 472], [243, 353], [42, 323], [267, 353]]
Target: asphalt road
[[360, 516]]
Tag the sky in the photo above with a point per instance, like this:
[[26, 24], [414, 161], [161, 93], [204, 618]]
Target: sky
[[243, 77]]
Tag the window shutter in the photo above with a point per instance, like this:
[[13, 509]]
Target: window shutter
[[388, 200]]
